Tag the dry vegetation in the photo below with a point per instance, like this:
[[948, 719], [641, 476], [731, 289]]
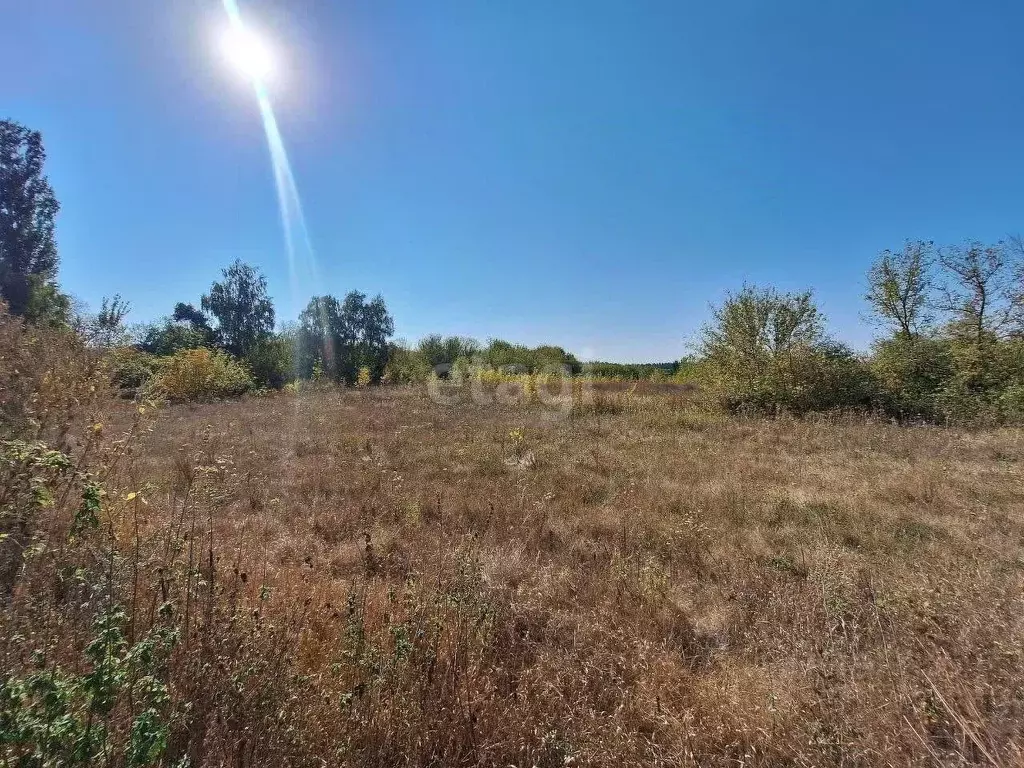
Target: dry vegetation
[[369, 578]]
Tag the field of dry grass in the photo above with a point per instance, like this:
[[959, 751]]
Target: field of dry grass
[[376, 579], [370, 578]]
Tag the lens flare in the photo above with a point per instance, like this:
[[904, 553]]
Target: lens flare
[[244, 49], [253, 58]]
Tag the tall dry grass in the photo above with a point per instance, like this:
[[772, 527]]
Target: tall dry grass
[[368, 578]]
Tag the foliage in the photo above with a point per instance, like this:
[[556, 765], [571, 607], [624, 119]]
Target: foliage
[[55, 717], [45, 373], [195, 318], [899, 286], [28, 210], [201, 374], [106, 328], [52, 714], [405, 365], [910, 373], [767, 351], [47, 306], [631, 371], [271, 361], [131, 369], [168, 337], [439, 353], [344, 336], [518, 358], [978, 295], [967, 367], [242, 307]]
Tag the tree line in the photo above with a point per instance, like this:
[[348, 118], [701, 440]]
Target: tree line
[[951, 321], [952, 343]]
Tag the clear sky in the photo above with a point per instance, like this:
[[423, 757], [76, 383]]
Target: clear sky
[[590, 173]]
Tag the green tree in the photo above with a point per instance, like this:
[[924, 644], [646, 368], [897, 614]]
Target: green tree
[[271, 361], [196, 319], [344, 336], [1016, 249], [374, 327], [978, 296], [167, 337], [978, 291], [768, 350], [318, 335], [244, 311], [899, 287], [106, 328], [505, 355], [28, 210], [441, 352]]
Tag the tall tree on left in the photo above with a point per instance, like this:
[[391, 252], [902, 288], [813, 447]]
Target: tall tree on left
[[28, 209]]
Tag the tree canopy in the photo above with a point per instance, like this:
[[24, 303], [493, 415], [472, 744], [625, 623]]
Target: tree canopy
[[28, 211], [242, 308]]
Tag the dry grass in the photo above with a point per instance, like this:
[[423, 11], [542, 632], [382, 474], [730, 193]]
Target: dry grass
[[369, 578]]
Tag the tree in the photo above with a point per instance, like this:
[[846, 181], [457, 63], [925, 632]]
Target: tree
[[319, 334], [244, 311], [899, 286], [441, 352], [759, 326], [270, 361], [196, 321], [106, 328], [168, 337], [374, 327], [767, 350], [979, 294], [1017, 289], [979, 298], [344, 336], [507, 356], [28, 209]]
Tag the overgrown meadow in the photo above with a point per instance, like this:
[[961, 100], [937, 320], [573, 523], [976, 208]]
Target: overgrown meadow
[[365, 576]]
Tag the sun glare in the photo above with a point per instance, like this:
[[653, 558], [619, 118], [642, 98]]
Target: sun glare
[[247, 52]]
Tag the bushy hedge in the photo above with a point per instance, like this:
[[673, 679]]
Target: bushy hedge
[[271, 361], [131, 369], [201, 374]]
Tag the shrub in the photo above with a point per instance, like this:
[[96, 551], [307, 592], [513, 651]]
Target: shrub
[[768, 351], [48, 379], [910, 373], [406, 366], [831, 377], [271, 361], [201, 374], [169, 337], [131, 370]]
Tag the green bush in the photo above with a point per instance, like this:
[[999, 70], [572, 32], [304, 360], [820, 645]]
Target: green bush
[[767, 351], [406, 366], [170, 337], [201, 374], [132, 370], [911, 373], [271, 361]]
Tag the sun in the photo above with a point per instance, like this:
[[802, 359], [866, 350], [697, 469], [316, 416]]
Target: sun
[[247, 52]]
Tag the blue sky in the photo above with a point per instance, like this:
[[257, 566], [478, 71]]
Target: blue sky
[[585, 172]]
